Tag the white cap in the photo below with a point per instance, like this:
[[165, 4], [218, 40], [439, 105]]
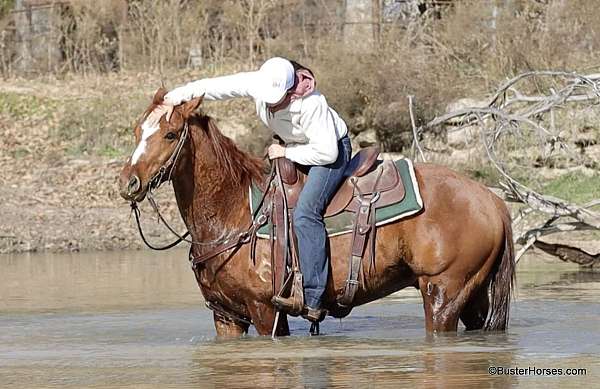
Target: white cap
[[274, 78]]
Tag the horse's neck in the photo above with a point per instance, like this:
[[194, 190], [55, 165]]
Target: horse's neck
[[212, 205]]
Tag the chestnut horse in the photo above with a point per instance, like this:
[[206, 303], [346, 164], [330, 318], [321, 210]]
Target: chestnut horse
[[457, 251]]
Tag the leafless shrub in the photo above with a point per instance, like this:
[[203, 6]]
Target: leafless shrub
[[89, 34]]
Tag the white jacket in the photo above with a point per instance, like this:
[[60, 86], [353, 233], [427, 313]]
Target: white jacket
[[308, 126]]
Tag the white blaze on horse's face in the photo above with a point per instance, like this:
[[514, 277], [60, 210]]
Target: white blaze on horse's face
[[149, 127]]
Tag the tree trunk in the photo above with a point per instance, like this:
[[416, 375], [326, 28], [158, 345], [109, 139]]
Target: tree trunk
[[38, 47], [361, 23]]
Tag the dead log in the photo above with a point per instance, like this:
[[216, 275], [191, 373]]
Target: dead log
[[569, 253]]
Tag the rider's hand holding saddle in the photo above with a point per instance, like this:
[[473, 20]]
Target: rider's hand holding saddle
[[276, 151], [314, 135]]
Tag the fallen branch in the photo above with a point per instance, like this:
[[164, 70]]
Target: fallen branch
[[511, 112], [569, 253], [553, 229]]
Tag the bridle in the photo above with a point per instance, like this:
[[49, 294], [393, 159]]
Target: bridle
[[230, 241], [155, 182]]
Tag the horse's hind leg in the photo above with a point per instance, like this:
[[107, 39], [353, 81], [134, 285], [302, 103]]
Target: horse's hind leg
[[448, 296], [441, 314], [475, 311]]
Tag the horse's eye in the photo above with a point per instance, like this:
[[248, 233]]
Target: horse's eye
[[171, 136]]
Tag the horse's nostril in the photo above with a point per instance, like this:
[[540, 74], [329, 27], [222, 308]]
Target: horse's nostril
[[134, 185]]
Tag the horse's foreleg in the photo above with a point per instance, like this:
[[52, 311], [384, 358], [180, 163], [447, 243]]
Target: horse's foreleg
[[228, 329], [263, 318]]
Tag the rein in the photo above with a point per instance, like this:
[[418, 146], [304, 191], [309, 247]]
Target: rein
[[226, 243]]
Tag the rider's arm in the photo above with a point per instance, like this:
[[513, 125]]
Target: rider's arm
[[217, 88], [319, 127]]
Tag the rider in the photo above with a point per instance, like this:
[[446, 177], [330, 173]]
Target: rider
[[314, 135]]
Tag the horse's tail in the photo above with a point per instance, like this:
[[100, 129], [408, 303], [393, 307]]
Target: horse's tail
[[502, 279]]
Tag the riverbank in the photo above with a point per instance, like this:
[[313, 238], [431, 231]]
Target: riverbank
[[64, 142], [72, 205]]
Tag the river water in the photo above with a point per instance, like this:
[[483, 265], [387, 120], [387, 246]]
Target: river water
[[137, 319]]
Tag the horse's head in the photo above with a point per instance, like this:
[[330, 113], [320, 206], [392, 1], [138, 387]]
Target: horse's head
[[157, 137]]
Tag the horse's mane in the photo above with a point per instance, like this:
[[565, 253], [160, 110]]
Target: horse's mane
[[235, 163]]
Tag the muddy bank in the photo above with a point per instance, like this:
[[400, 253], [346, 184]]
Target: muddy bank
[[62, 147], [72, 205]]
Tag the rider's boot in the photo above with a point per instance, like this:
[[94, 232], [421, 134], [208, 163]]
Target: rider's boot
[[314, 314]]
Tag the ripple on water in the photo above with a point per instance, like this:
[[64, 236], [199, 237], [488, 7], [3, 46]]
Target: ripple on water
[[136, 318]]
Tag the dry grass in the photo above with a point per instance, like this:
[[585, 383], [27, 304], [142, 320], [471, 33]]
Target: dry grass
[[464, 50]]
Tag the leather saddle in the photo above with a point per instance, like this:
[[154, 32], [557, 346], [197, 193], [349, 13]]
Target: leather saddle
[[365, 175], [370, 184]]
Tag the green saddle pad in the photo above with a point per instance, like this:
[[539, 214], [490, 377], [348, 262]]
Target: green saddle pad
[[342, 222]]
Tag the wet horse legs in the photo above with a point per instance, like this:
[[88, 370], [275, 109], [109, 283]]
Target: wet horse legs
[[476, 310], [448, 297], [263, 317], [439, 302], [228, 329]]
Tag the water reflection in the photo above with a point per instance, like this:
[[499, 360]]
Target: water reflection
[[108, 280], [340, 361], [137, 319]]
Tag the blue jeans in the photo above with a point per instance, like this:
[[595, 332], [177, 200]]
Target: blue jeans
[[321, 184]]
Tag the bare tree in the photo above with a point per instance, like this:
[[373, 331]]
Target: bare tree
[[361, 23]]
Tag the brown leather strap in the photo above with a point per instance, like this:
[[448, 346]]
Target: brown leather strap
[[297, 293], [351, 286], [372, 240], [281, 239], [361, 227], [293, 244], [195, 261], [258, 220], [284, 254], [227, 315], [359, 237], [272, 244], [364, 222], [242, 239]]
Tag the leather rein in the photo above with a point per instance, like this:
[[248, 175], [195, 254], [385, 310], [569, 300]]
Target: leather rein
[[223, 244]]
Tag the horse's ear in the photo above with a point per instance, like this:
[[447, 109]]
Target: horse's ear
[[159, 96], [187, 109]]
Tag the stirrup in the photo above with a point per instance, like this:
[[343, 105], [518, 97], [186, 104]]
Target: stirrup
[[294, 303], [290, 305]]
